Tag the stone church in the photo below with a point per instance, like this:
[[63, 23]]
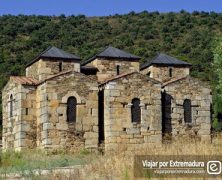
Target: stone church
[[107, 101]]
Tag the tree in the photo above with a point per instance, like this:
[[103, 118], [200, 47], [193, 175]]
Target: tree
[[217, 95], [186, 35]]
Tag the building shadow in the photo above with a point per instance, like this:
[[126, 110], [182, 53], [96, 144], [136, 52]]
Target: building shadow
[[166, 116]]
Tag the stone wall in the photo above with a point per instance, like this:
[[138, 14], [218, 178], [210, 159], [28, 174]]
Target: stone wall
[[33, 70], [119, 129], [45, 68], [108, 68], [19, 131], [161, 73], [200, 95], [53, 129]]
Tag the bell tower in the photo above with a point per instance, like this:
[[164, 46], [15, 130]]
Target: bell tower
[[50, 62], [163, 68]]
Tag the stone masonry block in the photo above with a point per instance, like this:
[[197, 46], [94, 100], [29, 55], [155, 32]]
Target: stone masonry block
[[61, 126], [47, 126], [47, 142]]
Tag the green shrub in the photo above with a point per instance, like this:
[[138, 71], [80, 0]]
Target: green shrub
[[217, 126], [84, 152], [126, 174], [26, 162]]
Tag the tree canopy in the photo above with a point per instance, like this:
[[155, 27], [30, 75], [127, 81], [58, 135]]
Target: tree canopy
[[184, 35]]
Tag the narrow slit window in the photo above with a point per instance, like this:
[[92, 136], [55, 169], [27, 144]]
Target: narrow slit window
[[91, 111], [171, 72], [60, 66], [11, 105], [117, 69], [27, 111]]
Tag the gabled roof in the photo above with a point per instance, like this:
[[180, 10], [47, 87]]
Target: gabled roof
[[25, 80], [173, 80], [186, 78], [117, 77], [127, 74], [64, 73], [164, 59], [112, 52], [54, 52]]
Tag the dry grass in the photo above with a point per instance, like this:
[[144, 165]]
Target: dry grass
[[119, 165]]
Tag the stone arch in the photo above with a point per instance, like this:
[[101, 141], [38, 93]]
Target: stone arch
[[70, 94]]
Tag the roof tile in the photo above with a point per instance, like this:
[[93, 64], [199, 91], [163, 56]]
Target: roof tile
[[164, 59], [174, 80], [54, 52], [25, 80], [112, 52]]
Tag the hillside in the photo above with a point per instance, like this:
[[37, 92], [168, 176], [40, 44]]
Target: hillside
[[184, 35]]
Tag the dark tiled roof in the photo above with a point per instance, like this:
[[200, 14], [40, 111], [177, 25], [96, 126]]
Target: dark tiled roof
[[54, 52], [25, 80], [163, 59], [111, 52]]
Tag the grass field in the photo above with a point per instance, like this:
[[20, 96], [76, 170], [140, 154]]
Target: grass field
[[29, 161]]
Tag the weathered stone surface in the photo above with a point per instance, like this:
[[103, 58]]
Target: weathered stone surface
[[40, 113], [61, 126], [199, 95], [119, 127], [161, 73], [47, 126], [45, 68], [107, 68]]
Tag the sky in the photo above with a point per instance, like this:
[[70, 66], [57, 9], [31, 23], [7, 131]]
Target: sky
[[103, 7]]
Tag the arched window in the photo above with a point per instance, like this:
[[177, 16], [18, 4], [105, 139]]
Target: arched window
[[187, 111], [71, 109], [136, 111], [11, 105], [170, 72]]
